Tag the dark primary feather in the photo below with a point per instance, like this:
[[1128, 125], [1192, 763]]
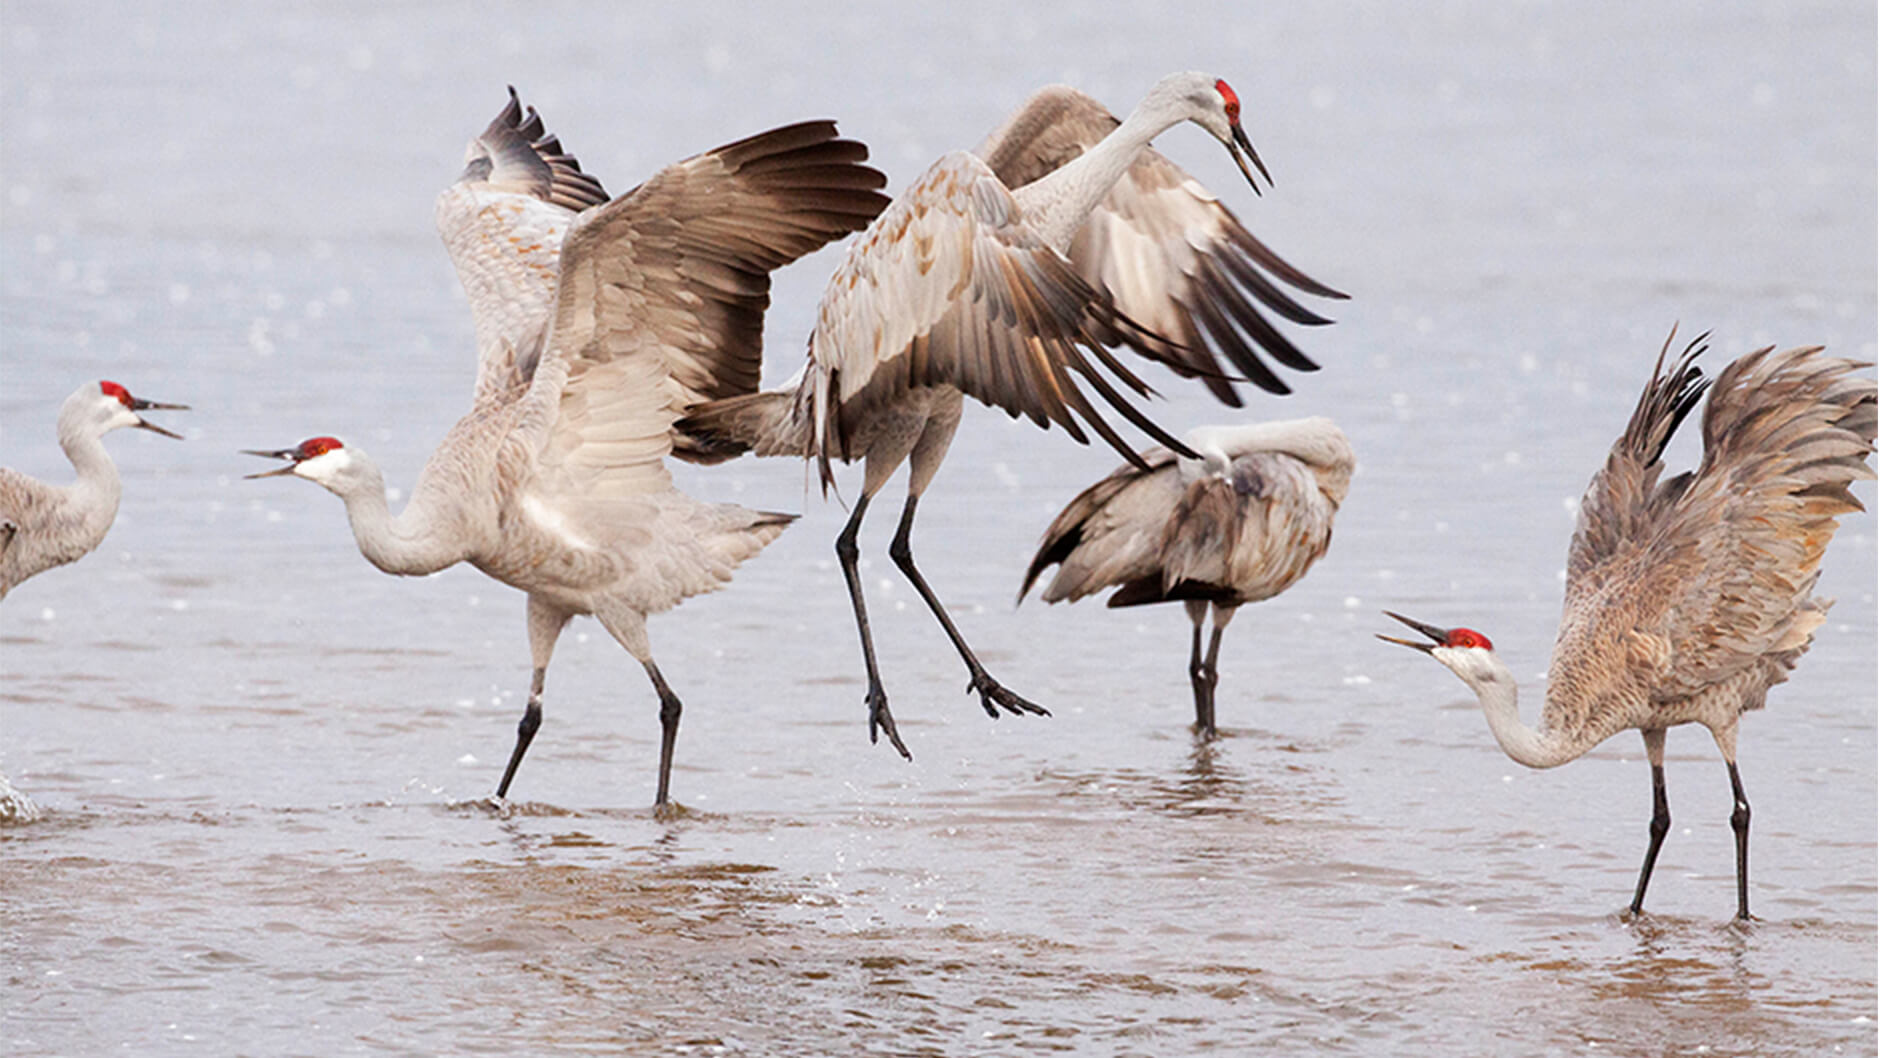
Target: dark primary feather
[[1025, 370], [522, 152], [1211, 310], [1620, 496]]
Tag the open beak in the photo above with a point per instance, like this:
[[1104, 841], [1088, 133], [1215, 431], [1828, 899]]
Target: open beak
[[288, 454], [151, 405], [1242, 149], [1438, 636]]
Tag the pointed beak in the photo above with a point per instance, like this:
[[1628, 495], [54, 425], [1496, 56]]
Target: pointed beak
[[151, 405], [1437, 636], [279, 453], [1242, 149]]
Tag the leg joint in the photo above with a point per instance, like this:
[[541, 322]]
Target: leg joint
[[901, 550], [531, 719], [1661, 825]]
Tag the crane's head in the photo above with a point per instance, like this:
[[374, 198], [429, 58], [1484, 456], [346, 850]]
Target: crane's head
[[1464, 651], [323, 460], [1212, 104], [110, 406]]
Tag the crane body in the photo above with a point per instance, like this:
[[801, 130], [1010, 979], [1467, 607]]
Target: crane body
[[598, 320], [1688, 597], [963, 287], [1240, 523]]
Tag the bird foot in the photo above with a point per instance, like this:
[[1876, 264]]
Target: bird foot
[[881, 721], [993, 696]]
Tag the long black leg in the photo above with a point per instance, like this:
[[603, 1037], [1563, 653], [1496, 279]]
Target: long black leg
[[1739, 822], [992, 695], [1205, 676], [880, 720], [525, 731], [669, 710], [1197, 673], [1661, 825]]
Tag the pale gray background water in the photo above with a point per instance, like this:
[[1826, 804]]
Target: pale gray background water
[[258, 755]]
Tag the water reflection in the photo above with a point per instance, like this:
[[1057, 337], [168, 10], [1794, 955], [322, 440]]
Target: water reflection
[[1214, 779], [256, 753]]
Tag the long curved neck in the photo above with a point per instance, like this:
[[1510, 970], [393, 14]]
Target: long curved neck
[[1056, 204], [1523, 744], [96, 493], [408, 545]]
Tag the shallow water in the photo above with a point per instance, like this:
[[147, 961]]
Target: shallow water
[[262, 762]]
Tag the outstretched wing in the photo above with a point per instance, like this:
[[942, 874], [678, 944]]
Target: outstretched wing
[[1624, 498], [1785, 434], [948, 287], [662, 295], [1710, 573], [503, 223], [1166, 251]]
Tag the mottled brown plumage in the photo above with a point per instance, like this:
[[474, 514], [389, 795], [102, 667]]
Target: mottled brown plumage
[[1688, 598], [1240, 524], [963, 288]]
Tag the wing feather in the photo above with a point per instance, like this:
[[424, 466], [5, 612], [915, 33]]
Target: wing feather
[[949, 288], [1164, 249], [1238, 536], [1707, 576], [1108, 534], [662, 295], [1618, 501], [502, 223]]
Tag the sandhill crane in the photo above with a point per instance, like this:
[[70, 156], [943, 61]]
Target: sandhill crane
[[41, 525], [1688, 599], [962, 287], [1164, 249], [1240, 524], [594, 330]]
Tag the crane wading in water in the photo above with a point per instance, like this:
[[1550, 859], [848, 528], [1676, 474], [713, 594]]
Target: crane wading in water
[[41, 525], [963, 287], [594, 330], [1241, 523], [1688, 598]]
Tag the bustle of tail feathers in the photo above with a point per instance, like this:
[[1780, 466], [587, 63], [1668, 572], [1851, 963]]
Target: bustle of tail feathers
[[737, 533], [1787, 652], [765, 519], [764, 423], [754, 535]]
